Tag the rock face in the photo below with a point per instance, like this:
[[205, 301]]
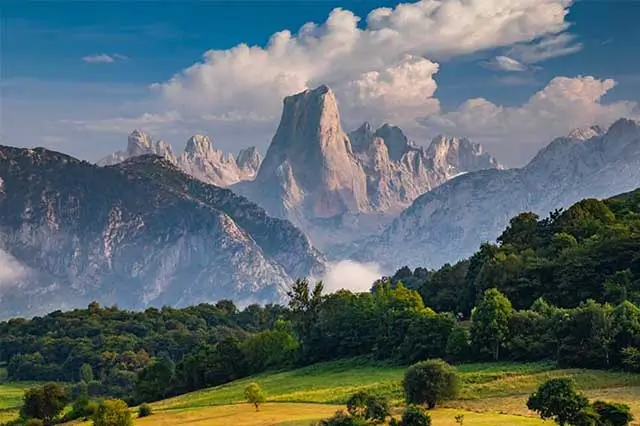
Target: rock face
[[199, 158], [451, 221], [336, 186], [136, 234]]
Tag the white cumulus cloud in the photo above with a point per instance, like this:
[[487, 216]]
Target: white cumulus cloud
[[380, 70], [564, 104]]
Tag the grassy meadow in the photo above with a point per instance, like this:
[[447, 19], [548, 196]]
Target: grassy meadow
[[491, 394]]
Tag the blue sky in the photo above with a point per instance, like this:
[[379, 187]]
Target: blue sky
[[76, 75]]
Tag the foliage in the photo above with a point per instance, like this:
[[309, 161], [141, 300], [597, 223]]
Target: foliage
[[415, 415], [612, 414], [369, 407], [86, 373], [113, 412], [490, 322], [145, 410], [557, 399], [340, 418], [430, 382], [254, 395], [45, 402]]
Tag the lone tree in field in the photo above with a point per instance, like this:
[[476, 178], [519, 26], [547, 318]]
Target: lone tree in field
[[254, 395], [557, 399], [112, 412], [45, 402], [430, 382]]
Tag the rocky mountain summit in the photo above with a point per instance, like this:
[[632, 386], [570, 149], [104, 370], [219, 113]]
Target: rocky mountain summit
[[139, 233], [451, 221], [198, 159], [336, 185]]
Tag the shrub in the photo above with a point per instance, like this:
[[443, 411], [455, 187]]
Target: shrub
[[368, 407], [415, 415], [144, 410], [340, 418], [34, 422], [430, 382], [613, 414], [631, 359], [112, 412]]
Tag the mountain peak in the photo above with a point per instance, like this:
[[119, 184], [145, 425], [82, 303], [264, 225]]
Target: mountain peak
[[585, 133], [249, 159], [139, 143], [394, 138], [198, 145]]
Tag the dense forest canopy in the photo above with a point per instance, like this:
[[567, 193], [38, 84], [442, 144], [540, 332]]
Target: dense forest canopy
[[589, 251], [565, 289]]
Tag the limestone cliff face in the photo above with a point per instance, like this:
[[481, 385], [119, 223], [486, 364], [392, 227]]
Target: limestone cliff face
[[309, 166], [199, 158], [451, 221], [139, 233], [337, 186]]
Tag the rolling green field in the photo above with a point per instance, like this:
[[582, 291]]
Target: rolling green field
[[492, 394]]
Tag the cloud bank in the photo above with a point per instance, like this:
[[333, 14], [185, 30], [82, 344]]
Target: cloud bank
[[351, 275], [385, 63], [11, 270]]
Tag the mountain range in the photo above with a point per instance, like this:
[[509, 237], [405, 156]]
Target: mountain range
[[147, 227], [136, 234], [449, 222], [199, 158], [333, 185]]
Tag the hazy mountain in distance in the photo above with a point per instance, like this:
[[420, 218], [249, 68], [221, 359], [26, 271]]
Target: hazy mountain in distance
[[451, 221]]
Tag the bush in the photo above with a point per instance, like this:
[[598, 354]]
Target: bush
[[368, 407], [612, 414], [343, 419], [631, 359], [415, 415], [430, 382], [112, 412], [34, 422], [144, 410]]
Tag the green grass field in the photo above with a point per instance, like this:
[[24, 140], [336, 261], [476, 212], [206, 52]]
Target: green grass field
[[11, 399], [492, 394]]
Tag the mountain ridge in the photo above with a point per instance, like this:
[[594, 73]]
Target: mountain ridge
[[139, 233], [449, 222]]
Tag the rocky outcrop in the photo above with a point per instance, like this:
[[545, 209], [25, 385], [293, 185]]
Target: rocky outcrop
[[199, 158], [452, 220], [139, 233], [338, 186]]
